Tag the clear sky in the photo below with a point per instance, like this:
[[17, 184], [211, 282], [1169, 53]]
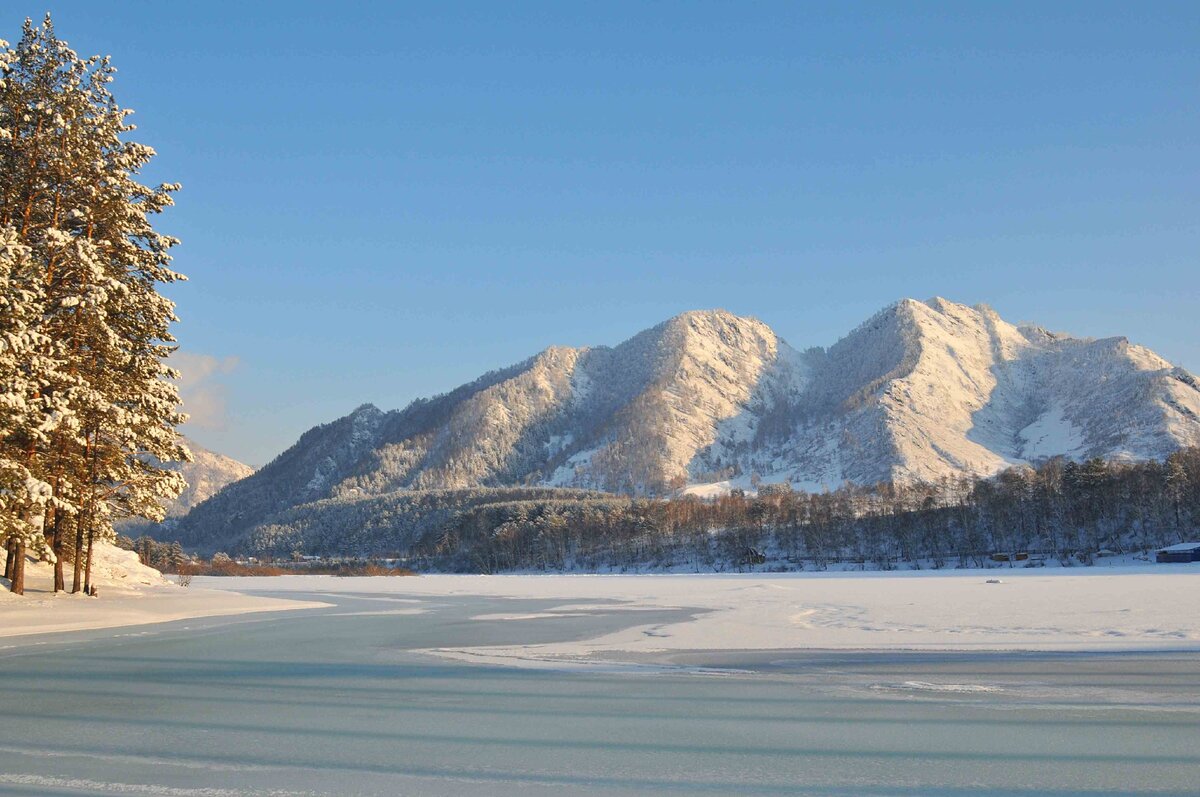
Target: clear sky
[[382, 201]]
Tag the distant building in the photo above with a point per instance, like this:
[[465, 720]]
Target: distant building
[[1183, 552]]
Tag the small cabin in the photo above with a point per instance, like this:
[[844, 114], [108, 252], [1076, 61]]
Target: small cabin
[[1183, 552]]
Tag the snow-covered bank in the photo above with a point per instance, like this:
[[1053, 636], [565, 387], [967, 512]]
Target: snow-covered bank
[[129, 594], [1151, 608]]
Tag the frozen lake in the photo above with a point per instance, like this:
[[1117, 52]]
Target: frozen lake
[[341, 701]]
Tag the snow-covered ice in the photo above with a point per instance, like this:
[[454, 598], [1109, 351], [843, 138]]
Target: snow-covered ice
[[1150, 607]]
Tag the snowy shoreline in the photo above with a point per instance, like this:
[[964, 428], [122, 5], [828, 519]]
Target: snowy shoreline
[[45, 614], [130, 594]]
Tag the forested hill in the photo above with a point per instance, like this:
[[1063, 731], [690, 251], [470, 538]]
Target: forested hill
[[1061, 512]]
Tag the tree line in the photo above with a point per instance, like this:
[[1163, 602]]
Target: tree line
[[374, 526], [88, 408], [167, 557], [1060, 510]]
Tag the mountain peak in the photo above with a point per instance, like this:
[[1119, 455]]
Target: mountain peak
[[722, 329], [714, 319], [706, 314]]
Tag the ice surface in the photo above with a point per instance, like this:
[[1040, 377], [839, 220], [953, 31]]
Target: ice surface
[[341, 701]]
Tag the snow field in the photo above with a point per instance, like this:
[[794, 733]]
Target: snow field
[[1142, 608]]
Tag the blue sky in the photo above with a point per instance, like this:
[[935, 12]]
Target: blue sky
[[382, 201]]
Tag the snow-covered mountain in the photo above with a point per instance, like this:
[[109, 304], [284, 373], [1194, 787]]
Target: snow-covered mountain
[[206, 475], [924, 390], [708, 400]]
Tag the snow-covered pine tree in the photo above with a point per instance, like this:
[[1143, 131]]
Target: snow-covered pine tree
[[69, 196], [178, 557], [30, 414]]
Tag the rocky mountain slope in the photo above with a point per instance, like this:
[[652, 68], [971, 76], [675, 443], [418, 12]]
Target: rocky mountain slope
[[709, 400]]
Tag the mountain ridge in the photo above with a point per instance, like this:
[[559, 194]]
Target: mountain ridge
[[709, 400]]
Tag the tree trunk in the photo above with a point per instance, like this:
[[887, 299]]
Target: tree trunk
[[10, 561], [56, 544], [18, 578], [91, 541], [77, 582]]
